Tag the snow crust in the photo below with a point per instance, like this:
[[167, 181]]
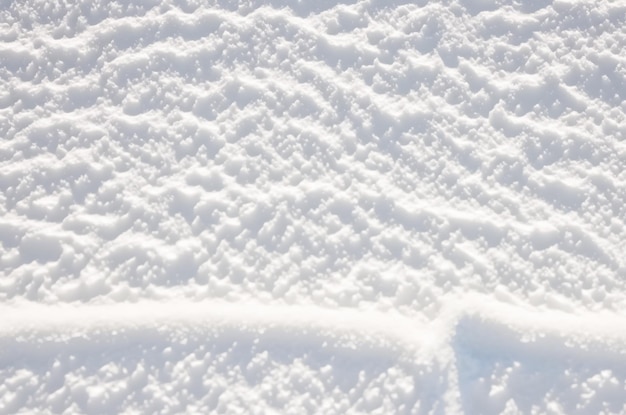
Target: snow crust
[[313, 207]]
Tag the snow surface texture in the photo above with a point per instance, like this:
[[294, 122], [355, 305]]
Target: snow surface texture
[[317, 207]]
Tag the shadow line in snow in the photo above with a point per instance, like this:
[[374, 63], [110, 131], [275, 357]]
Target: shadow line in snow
[[501, 368]]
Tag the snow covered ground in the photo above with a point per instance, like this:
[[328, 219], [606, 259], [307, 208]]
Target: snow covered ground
[[313, 207]]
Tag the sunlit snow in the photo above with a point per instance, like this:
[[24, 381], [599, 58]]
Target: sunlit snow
[[313, 207]]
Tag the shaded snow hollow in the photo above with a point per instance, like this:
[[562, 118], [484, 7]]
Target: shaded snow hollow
[[321, 207]]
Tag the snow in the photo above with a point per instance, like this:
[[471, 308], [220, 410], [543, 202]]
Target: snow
[[313, 207]]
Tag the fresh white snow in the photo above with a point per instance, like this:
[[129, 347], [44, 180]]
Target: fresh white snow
[[313, 207]]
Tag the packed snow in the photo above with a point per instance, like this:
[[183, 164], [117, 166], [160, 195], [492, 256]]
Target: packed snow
[[313, 207]]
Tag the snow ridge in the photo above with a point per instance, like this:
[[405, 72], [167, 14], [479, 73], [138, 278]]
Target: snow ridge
[[464, 315], [468, 327]]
